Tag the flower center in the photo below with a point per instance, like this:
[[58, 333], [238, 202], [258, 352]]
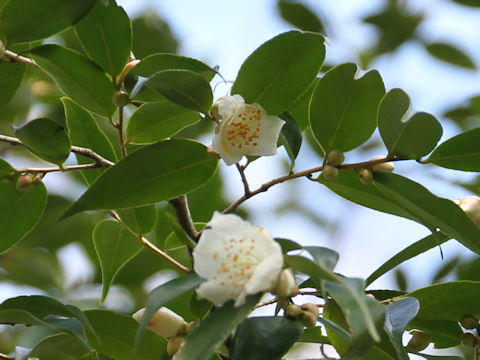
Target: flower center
[[244, 128]]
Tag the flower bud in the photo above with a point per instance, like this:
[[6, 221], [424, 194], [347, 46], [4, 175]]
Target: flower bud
[[471, 206], [335, 158], [418, 342], [294, 311], [385, 166], [25, 182], [175, 344], [330, 172], [214, 111], [285, 286], [164, 322], [469, 322], [121, 98], [366, 176], [310, 314], [468, 339]]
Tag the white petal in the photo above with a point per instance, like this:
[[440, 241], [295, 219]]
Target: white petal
[[266, 274], [228, 105]]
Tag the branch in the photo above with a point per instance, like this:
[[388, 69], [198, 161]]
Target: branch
[[183, 215], [6, 357], [21, 59], [63, 168], [151, 246]]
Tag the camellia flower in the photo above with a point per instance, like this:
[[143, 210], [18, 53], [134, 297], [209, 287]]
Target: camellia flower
[[471, 206], [244, 129], [236, 258], [164, 322]]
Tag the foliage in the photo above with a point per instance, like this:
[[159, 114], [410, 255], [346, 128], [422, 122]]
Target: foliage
[[150, 182]]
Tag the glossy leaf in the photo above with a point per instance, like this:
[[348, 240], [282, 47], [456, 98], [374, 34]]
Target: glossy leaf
[[106, 36], [299, 110], [200, 344], [116, 334], [409, 252], [157, 121], [6, 170], [462, 152], [83, 131], [46, 139], [278, 72], [300, 16], [79, 78], [11, 74], [450, 54], [405, 134], [430, 210], [19, 211], [114, 246], [313, 335], [141, 220], [28, 20], [397, 317], [164, 61], [343, 107], [290, 138], [60, 347], [443, 333], [310, 267], [265, 338], [184, 87], [157, 172], [325, 257], [163, 294]]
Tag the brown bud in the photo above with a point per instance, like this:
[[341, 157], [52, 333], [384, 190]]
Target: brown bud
[[293, 311], [418, 342], [310, 314], [330, 172], [25, 182], [468, 339], [366, 176], [335, 158], [121, 98], [469, 322]]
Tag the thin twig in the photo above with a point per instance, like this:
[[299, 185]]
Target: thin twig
[[151, 246], [64, 168], [184, 217], [120, 129], [241, 170], [19, 58], [6, 357]]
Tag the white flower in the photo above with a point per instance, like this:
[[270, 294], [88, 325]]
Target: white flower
[[471, 206], [164, 322], [244, 129], [236, 258]]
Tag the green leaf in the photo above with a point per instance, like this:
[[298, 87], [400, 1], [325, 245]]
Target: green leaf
[[46, 139], [207, 336], [6, 170], [307, 266], [462, 152], [79, 78], [314, 335], [114, 246], [300, 16], [443, 333], [265, 338], [398, 315], [299, 110], [60, 347], [406, 134], [19, 211], [409, 252], [450, 54], [343, 107], [28, 20], [291, 138], [163, 294], [11, 74], [157, 121], [323, 256], [278, 72], [116, 334], [430, 210], [83, 131], [184, 87], [288, 245], [141, 220], [106, 36], [158, 62], [157, 172], [440, 357], [473, 3]]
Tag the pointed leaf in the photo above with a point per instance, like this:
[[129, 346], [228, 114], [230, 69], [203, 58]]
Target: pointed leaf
[[83, 131], [290, 138], [278, 72], [406, 134], [323, 256], [157, 121], [19, 211], [462, 152], [450, 54], [300, 16], [28, 20], [206, 337], [265, 338], [106, 36], [79, 78], [157, 172], [430, 210], [343, 108], [46, 139], [141, 220], [6, 170], [114, 246], [307, 266], [59, 347], [11, 74], [184, 87]]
